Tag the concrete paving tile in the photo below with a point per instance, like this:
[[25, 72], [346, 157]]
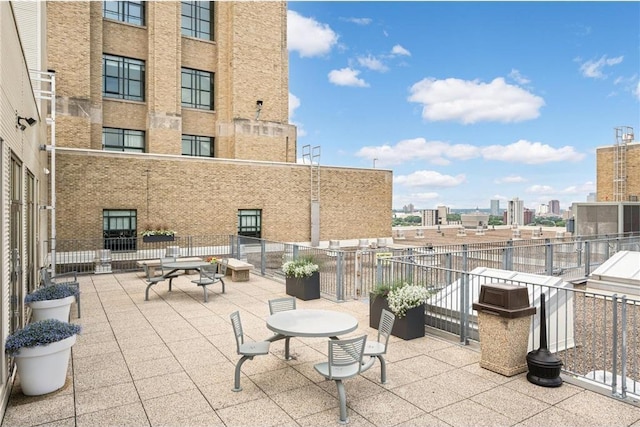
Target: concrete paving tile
[[95, 338], [331, 417], [86, 350], [106, 397], [126, 415], [162, 385], [315, 400], [357, 386], [174, 409], [272, 382], [177, 333], [453, 356], [39, 410], [462, 382], [97, 362], [396, 376], [102, 377], [603, 409], [424, 420], [220, 395], [510, 403], [467, 413], [67, 422], [489, 375], [426, 395], [204, 375], [423, 366], [140, 341], [143, 353], [554, 416], [261, 412], [383, 409], [160, 366], [551, 395]]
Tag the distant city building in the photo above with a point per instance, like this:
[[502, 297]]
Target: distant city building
[[527, 216], [443, 211], [554, 207], [515, 212], [475, 219], [495, 207], [543, 209], [592, 197], [408, 208], [429, 217]]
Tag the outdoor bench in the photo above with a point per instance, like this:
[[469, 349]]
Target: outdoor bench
[[238, 270]]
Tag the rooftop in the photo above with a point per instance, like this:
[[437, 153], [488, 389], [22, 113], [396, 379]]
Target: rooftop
[[170, 361]]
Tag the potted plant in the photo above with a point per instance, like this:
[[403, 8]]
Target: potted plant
[[52, 301], [406, 302], [157, 233], [302, 278], [41, 351]]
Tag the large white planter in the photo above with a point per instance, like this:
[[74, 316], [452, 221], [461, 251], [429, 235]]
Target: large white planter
[[43, 369], [52, 309]]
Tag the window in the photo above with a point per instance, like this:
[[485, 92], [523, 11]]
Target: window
[[193, 145], [119, 229], [197, 89], [250, 222], [196, 19], [122, 78], [114, 139], [131, 12]]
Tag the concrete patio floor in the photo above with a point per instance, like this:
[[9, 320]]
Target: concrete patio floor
[[170, 361]]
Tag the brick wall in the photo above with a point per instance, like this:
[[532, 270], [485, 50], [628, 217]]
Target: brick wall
[[605, 172]]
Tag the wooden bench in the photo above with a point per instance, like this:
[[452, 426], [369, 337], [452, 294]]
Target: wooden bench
[[238, 270]]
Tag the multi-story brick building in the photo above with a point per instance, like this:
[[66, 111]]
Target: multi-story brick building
[[177, 113], [618, 169]]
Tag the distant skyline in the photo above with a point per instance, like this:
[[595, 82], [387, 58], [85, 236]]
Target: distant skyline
[[466, 101]]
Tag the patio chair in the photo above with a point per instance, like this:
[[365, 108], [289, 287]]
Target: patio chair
[[70, 278], [345, 361], [222, 271], [152, 277], [163, 268], [207, 277], [377, 349], [283, 304], [247, 349]]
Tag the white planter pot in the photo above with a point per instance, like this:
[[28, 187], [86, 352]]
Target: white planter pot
[[52, 309], [43, 369]]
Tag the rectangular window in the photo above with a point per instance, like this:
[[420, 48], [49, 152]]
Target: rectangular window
[[114, 139], [250, 222], [194, 145], [197, 89], [122, 78], [119, 228], [131, 12], [196, 19]]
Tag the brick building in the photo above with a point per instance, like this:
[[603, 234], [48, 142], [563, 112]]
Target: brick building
[[618, 169], [176, 113]]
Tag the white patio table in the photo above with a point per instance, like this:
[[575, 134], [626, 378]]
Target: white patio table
[[309, 323]]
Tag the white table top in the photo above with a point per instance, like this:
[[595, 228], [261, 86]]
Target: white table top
[[311, 323]]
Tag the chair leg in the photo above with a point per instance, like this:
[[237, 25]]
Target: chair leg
[[204, 288], [343, 402], [286, 348], [78, 302], [236, 385], [146, 292], [222, 285], [383, 369]]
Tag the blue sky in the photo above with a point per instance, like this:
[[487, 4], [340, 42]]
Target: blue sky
[[466, 101]]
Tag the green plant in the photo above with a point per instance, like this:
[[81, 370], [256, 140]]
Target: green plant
[[157, 230], [301, 267], [212, 260], [42, 332], [56, 291]]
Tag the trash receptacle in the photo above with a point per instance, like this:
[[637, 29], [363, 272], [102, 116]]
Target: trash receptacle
[[504, 323], [102, 261]]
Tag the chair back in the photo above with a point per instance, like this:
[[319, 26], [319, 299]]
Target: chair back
[[45, 277], [237, 329], [222, 266], [387, 319], [208, 271], [282, 304], [344, 353]]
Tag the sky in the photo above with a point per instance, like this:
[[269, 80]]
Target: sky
[[466, 101]]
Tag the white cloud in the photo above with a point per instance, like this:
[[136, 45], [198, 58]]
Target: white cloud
[[399, 50], [472, 101], [531, 153], [372, 63], [359, 21], [539, 189], [346, 77], [294, 103], [518, 78], [309, 37], [429, 179], [512, 179], [418, 149], [594, 69]]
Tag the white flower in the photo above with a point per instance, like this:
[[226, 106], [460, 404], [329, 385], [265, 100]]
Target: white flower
[[403, 298], [300, 267]]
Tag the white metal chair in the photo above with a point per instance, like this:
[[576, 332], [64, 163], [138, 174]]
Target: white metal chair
[[222, 270], [377, 349], [283, 304], [247, 349], [345, 361], [207, 277], [70, 279]]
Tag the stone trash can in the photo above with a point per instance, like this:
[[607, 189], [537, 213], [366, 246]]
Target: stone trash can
[[102, 261], [504, 323]]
